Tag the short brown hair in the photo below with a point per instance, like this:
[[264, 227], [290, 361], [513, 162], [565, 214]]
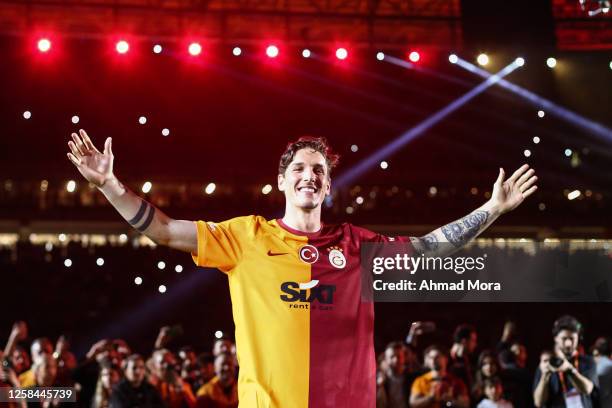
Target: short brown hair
[[440, 349], [132, 358], [318, 144]]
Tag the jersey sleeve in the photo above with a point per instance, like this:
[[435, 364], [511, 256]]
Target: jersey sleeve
[[419, 387], [221, 245]]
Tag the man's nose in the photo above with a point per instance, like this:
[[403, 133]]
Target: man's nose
[[308, 174]]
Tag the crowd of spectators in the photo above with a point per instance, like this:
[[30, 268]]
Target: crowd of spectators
[[496, 377], [409, 374], [112, 375]]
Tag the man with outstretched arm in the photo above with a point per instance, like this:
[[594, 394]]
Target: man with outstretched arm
[[304, 336]]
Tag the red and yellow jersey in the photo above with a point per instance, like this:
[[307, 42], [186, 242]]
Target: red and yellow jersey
[[450, 385], [304, 336]]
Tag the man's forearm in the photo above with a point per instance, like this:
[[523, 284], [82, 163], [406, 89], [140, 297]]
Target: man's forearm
[[540, 394], [140, 214], [458, 233], [582, 383], [422, 401], [10, 345]]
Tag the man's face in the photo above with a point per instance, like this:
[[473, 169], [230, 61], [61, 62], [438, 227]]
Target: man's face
[[434, 360], [168, 364], [306, 181], [225, 369], [46, 371], [109, 377], [40, 347], [20, 360], [135, 372], [208, 371], [567, 342], [395, 358]]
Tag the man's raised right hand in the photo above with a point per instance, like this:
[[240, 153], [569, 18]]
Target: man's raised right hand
[[95, 166]]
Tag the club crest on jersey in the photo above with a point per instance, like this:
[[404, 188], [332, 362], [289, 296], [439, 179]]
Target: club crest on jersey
[[309, 254], [336, 257]]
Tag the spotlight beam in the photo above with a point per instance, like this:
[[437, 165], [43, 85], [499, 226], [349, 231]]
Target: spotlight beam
[[409, 65], [518, 123], [359, 114], [546, 104], [386, 151]]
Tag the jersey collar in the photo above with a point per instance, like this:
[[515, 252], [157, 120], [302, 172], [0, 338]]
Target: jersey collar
[[298, 232]]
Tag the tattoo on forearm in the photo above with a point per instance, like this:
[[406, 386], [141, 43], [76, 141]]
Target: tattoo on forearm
[[460, 232], [149, 219], [145, 208], [429, 242], [139, 214]]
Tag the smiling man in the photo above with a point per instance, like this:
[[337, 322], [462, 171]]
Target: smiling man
[[304, 336]]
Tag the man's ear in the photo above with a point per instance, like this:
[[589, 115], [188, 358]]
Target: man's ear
[[281, 182], [328, 192]]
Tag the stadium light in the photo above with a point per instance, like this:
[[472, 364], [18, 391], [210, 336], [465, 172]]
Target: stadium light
[[272, 51], [44, 45], [483, 59], [122, 47]]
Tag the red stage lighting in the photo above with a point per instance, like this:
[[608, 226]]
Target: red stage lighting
[[272, 51], [341, 53], [44, 45], [122, 47], [414, 56], [195, 49]]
